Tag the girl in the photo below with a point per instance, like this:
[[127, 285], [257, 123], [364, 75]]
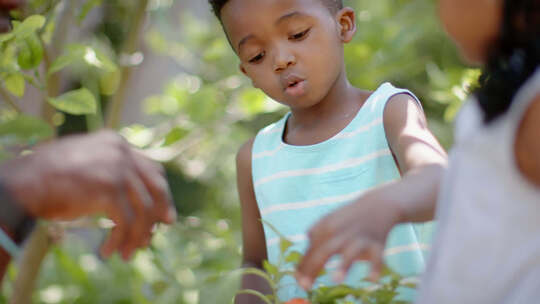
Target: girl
[[488, 211]]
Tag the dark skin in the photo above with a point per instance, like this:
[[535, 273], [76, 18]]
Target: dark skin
[[359, 231], [293, 51], [97, 174]]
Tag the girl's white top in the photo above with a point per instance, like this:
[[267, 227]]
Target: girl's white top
[[487, 247]]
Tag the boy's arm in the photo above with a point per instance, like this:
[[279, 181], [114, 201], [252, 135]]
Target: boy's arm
[[254, 245], [418, 154], [527, 145], [358, 231]]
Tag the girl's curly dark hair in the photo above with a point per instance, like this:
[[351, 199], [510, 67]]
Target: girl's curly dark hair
[[512, 59]]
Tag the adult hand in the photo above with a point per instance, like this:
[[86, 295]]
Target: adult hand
[[93, 174], [357, 231]]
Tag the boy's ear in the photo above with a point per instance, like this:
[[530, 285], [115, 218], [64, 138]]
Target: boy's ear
[[347, 24]]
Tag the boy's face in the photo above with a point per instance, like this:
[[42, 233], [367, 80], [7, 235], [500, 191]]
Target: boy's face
[[291, 49], [473, 24]]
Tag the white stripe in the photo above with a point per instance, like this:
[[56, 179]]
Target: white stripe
[[292, 238], [335, 263], [343, 135], [359, 130], [311, 203], [353, 162], [406, 248], [270, 130], [268, 153]]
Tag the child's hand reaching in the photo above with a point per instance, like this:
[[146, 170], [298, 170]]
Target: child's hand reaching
[[357, 231]]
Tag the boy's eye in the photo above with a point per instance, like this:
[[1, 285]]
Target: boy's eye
[[257, 58], [299, 36]]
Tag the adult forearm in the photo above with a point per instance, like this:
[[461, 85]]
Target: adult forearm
[[414, 197], [253, 282]]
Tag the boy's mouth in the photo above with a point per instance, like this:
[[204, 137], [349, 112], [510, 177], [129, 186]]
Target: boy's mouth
[[294, 86], [294, 83]]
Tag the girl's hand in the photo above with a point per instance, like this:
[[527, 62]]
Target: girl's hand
[[357, 231]]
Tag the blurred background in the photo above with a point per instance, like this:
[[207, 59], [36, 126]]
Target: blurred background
[[162, 73]]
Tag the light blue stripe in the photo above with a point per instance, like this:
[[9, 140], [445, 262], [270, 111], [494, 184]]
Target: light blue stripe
[[9, 246]]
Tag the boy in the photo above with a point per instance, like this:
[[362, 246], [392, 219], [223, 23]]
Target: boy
[[337, 141]]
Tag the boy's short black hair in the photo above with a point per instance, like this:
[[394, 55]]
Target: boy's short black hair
[[217, 5]]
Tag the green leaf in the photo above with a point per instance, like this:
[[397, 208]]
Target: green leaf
[[340, 291], [72, 54], [6, 37], [28, 27], [270, 268], [86, 8], [8, 58], [30, 52], [26, 128], [284, 244], [75, 102], [293, 257], [79, 53], [175, 135], [15, 84], [98, 60]]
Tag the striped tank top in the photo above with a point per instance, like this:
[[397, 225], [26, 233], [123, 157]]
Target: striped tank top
[[295, 186]]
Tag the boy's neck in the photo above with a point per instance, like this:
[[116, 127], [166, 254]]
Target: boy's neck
[[328, 117], [340, 102]]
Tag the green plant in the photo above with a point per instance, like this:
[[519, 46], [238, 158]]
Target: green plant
[[385, 291]]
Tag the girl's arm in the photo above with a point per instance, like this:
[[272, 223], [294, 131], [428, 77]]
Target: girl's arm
[[527, 145], [254, 245], [358, 231]]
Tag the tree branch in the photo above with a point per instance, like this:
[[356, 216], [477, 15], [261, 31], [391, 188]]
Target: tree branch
[[114, 112], [30, 264], [39, 243], [8, 100]]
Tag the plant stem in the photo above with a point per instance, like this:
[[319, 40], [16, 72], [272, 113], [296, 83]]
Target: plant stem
[[39, 243], [7, 99], [114, 113], [31, 260]]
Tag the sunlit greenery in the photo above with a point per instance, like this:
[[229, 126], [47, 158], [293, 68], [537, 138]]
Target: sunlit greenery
[[198, 121]]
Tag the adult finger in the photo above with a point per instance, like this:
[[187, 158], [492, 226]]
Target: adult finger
[[153, 176], [141, 203], [122, 215], [315, 258]]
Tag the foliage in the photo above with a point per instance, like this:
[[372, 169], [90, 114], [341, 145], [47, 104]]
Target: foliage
[[198, 121], [385, 291]]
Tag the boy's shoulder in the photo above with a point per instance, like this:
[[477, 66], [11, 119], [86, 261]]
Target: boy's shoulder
[[271, 132], [401, 107], [243, 158], [244, 152]]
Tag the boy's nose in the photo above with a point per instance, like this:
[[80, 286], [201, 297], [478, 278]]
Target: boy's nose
[[283, 60]]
